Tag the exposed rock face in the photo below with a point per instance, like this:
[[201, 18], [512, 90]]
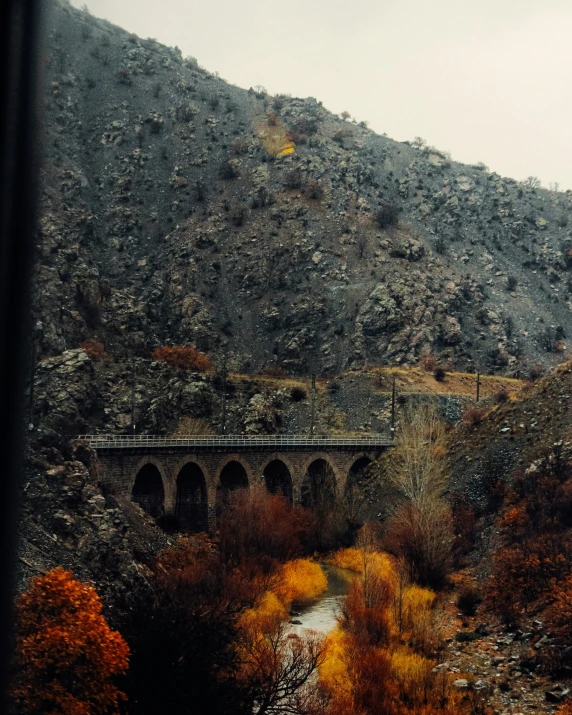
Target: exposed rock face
[[174, 210], [68, 521]]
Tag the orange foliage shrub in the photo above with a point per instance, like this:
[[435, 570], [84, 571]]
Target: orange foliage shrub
[[300, 580], [350, 559], [522, 573], [265, 614], [422, 538], [185, 633], [368, 668], [356, 677], [94, 350], [416, 617], [558, 619], [536, 553], [66, 654], [183, 356], [412, 673], [264, 527]]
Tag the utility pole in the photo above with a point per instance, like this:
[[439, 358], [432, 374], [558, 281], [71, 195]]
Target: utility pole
[[224, 374], [313, 415], [478, 385], [393, 409], [133, 386]]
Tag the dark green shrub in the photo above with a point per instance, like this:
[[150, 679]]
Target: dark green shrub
[[387, 214], [439, 374]]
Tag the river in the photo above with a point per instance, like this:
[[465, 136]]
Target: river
[[321, 614]]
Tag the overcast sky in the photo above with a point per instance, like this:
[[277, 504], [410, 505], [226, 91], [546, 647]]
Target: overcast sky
[[487, 80]]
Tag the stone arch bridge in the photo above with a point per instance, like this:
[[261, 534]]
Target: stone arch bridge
[[190, 478]]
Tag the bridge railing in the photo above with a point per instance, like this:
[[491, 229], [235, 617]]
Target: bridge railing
[[104, 441]]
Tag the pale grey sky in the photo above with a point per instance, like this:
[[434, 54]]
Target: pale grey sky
[[487, 80]]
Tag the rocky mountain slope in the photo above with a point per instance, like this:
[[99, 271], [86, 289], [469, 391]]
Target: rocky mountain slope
[[177, 208], [514, 435]]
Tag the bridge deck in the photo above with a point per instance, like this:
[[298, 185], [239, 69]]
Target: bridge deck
[[103, 441]]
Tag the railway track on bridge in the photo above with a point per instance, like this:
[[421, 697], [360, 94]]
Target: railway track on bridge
[[103, 441]]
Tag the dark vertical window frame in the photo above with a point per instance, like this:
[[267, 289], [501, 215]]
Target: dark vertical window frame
[[21, 31]]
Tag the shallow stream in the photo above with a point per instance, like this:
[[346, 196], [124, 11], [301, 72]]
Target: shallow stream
[[321, 614]]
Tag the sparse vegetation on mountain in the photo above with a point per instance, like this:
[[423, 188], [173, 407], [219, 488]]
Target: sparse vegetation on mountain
[[183, 356]]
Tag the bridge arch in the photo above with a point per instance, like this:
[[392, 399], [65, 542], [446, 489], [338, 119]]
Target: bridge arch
[[234, 473], [278, 476], [353, 499], [191, 507], [356, 465], [149, 486], [320, 481]]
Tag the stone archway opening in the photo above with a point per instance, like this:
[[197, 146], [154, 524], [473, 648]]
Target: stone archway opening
[[232, 477], [148, 491], [192, 502], [319, 486], [278, 479], [357, 472]]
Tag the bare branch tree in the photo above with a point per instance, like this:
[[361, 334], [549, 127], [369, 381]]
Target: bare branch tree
[[282, 668], [416, 467], [420, 530]]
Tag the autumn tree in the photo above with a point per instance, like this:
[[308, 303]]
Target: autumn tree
[[420, 530], [185, 357], [262, 526], [66, 655], [417, 468], [278, 668], [183, 635], [535, 553]]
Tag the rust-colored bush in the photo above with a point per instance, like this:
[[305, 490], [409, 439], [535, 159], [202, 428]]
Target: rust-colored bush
[[94, 350], [536, 551], [558, 620], [263, 527], [523, 572], [191, 618], [66, 654], [183, 356], [421, 535]]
